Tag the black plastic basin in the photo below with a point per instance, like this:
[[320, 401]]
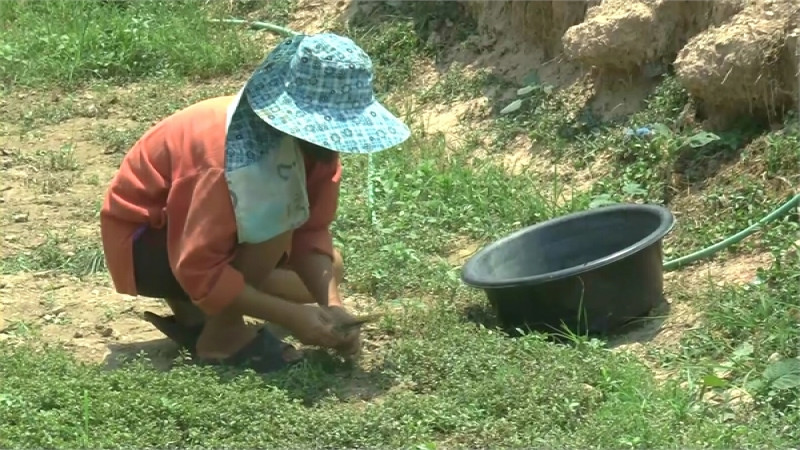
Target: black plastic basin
[[590, 271]]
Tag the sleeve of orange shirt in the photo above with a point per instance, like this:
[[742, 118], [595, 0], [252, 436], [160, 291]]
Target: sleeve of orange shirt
[[323, 199], [202, 240]]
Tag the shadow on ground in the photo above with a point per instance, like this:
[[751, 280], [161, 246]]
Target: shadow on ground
[[640, 330], [320, 376], [160, 352]]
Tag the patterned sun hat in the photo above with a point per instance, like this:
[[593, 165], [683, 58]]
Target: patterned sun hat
[[319, 88]]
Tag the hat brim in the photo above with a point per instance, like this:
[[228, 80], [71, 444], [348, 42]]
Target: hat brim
[[365, 130]]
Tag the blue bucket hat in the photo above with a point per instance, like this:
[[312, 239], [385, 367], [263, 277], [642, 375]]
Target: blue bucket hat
[[318, 88]]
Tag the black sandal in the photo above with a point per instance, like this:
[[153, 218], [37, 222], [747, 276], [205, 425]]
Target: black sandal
[[263, 354], [184, 336]]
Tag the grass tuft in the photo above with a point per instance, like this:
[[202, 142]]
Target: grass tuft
[[59, 253]]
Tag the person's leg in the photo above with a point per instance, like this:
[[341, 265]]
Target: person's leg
[[154, 277], [226, 333], [222, 335], [285, 283]]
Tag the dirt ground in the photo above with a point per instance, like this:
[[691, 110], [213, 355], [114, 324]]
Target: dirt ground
[[89, 318]]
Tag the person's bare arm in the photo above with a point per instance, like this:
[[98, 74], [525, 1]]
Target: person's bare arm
[[316, 271], [310, 325]]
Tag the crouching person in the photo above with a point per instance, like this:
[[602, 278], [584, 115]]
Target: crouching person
[[223, 209]]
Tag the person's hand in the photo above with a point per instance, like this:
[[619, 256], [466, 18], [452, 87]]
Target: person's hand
[[350, 346], [313, 325]]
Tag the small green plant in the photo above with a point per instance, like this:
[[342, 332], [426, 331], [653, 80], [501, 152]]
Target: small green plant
[[457, 84], [527, 94], [782, 375], [62, 159]]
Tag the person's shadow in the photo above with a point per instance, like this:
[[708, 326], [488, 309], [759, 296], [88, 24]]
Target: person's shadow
[[320, 375]]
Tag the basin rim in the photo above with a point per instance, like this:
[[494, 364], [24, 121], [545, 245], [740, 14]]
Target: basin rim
[[472, 277]]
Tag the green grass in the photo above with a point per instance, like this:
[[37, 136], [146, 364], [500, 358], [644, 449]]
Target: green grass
[[59, 253], [72, 43], [424, 186], [433, 377], [396, 36], [51, 170], [430, 388], [118, 140], [676, 158]]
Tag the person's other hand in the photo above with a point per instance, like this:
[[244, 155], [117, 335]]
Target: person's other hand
[[313, 325], [350, 346]]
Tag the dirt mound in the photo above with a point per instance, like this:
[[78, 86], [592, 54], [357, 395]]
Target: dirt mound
[[746, 65], [542, 22], [626, 35], [733, 56]]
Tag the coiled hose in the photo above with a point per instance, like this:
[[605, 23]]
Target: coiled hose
[[674, 264]]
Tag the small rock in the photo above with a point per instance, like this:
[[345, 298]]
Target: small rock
[[104, 330], [20, 218], [738, 396], [775, 357], [78, 334], [712, 397], [91, 111], [592, 391]]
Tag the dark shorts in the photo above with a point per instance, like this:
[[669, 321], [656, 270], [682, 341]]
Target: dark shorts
[[153, 274]]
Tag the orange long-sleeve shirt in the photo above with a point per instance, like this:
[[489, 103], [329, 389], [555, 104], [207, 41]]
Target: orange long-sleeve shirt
[[176, 172]]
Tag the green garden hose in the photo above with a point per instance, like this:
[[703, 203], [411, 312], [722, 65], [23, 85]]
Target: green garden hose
[[736, 238], [259, 26], [668, 266]]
